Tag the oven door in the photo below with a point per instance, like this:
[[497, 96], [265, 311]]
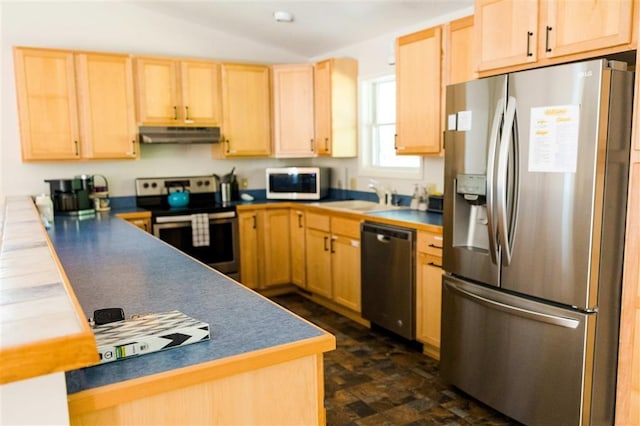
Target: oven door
[[221, 253]]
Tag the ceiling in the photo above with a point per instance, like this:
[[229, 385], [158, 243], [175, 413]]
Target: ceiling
[[318, 27]]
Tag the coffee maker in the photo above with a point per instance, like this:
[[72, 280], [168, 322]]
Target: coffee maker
[[71, 196]]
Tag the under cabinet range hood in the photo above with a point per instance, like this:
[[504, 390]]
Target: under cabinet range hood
[[164, 135]]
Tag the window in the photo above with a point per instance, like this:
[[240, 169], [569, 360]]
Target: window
[[378, 111]]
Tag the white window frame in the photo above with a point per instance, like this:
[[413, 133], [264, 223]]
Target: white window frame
[[366, 166]]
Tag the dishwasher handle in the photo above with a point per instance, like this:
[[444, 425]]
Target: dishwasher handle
[[385, 233], [383, 238]]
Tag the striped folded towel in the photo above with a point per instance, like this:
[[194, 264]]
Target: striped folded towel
[[200, 229]]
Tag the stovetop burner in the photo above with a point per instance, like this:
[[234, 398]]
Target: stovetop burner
[[152, 193]]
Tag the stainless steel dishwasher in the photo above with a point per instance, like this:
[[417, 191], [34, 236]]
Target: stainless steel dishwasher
[[388, 277]]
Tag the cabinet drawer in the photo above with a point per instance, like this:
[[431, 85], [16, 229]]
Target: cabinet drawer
[[430, 243], [346, 227], [318, 221]]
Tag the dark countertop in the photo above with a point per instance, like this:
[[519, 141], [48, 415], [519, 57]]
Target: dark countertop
[[113, 264]]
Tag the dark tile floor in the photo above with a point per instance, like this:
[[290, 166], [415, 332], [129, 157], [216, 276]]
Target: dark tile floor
[[374, 378]]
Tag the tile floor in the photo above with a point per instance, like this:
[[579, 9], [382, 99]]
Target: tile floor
[[374, 378]]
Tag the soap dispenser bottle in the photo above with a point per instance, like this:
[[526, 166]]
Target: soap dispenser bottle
[[415, 201]]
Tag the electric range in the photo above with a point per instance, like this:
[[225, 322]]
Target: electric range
[[175, 225]]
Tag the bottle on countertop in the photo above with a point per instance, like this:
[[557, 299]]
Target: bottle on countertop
[[45, 208], [415, 200], [424, 201]]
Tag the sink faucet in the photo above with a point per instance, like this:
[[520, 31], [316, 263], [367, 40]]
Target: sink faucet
[[384, 196]]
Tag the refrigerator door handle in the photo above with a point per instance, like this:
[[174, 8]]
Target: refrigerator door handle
[[501, 182], [491, 181], [514, 310]]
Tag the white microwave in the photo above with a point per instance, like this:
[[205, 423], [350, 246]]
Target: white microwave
[[298, 183]]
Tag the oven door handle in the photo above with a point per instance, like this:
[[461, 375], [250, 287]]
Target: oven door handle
[[187, 217]]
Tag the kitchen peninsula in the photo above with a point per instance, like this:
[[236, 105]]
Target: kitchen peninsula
[[261, 365]]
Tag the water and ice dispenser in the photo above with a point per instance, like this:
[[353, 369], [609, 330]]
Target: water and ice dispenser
[[470, 212]]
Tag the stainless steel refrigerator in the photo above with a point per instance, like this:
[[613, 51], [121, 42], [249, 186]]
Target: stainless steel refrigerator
[[536, 175]]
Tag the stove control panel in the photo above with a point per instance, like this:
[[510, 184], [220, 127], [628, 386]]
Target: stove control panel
[[162, 186]]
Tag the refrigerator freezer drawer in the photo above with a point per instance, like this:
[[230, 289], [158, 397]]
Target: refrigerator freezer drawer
[[525, 359]]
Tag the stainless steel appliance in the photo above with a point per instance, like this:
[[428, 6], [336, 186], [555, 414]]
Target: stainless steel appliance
[[536, 174], [388, 277], [71, 196], [298, 183], [174, 225], [178, 134]]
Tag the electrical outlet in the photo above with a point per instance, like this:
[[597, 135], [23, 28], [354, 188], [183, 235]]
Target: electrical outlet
[[244, 183], [353, 183]]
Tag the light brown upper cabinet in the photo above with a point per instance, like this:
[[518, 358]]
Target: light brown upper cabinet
[[516, 34], [246, 111], [335, 92], [458, 50], [74, 105], [106, 105], [293, 110], [172, 92], [418, 92]]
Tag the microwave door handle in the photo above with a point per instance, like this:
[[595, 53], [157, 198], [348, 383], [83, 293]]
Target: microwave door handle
[[491, 165], [505, 231]]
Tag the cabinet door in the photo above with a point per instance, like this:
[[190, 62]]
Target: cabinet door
[[578, 26], [46, 91], [249, 257], [140, 219], [428, 303], [200, 88], [418, 92], [157, 91], [276, 247], [336, 116], [322, 106], [293, 110], [246, 110], [506, 32], [297, 231], [106, 106], [345, 271], [459, 51], [318, 262]]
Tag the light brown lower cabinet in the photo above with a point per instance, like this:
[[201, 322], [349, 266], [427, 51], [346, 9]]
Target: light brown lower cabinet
[[429, 292], [333, 258], [264, 247], [298, 256], [140, 219]]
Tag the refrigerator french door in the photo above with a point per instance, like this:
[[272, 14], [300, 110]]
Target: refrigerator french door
[[536, 171]]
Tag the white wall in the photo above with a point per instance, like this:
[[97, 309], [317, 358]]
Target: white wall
[[373, 61], [126, 28]]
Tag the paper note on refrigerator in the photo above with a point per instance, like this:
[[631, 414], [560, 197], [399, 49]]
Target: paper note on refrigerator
[[553, 139]]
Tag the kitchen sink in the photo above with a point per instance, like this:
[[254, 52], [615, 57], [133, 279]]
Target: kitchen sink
[[358, 206]]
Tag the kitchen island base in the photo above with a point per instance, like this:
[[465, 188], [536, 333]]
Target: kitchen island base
[[239, 392]]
